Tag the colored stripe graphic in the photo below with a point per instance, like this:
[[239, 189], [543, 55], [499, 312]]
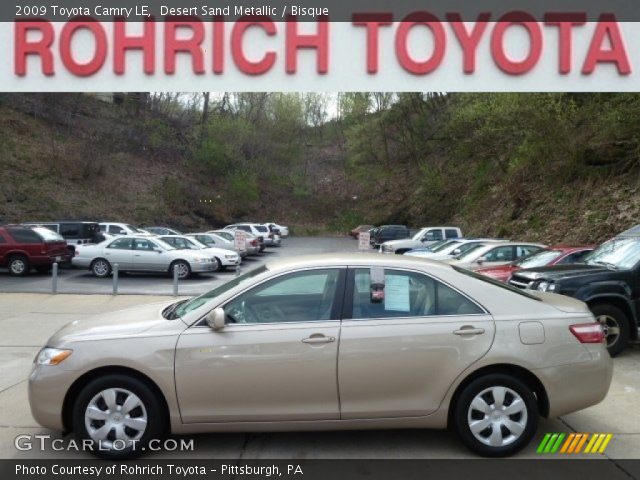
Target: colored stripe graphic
[[574, 443]]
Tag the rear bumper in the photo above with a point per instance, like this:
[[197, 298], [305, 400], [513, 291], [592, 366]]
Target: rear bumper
[[577, 386], [41, 260]]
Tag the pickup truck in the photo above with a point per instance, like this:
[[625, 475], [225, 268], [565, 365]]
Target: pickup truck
[[608, 281]]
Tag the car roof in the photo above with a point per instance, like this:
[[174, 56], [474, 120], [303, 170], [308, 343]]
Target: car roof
[[570, 248], [355, 259]]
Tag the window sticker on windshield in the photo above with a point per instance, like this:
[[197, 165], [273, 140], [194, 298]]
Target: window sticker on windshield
[[396, 293]]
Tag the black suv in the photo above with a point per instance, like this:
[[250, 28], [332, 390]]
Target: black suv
[[608, 281], [388, 232]]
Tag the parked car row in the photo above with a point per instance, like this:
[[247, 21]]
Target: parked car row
[[606, 278], [100, 246]]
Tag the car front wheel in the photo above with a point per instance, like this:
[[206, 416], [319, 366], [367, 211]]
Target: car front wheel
[[18, 265], [117, 415], [496, 415], [184, 270], [616, 327]]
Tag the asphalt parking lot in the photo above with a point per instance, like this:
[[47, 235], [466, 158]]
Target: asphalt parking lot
[[28, 319], [72, 280]]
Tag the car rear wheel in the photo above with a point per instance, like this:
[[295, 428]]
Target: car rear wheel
[[101, 268], [496, 415], [616, 327], [18, 265], [118, 415], [184, 269]]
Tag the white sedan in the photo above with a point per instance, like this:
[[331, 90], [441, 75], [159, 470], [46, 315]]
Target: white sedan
[[141, 254], [222, 256], [494, 254]]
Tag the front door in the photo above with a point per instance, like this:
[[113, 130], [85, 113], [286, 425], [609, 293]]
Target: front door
[[400, 353], [275, 359], [148, 257], [120, 252]]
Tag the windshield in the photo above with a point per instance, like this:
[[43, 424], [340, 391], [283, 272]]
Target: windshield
[[225, 235], [622, 253], [469, 252], [194, 244], [419, 234], [48, 235], [444, 246], [495, 282], [134, 229], [539, 259], [182, 309]]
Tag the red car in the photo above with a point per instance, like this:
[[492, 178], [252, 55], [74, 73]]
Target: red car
[[557, 255], [23, 247]]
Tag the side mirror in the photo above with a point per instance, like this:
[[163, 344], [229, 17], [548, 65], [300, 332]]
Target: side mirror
[[481, 260], [216, 319]]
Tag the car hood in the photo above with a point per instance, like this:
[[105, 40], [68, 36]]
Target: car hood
[[402, 242], [557, 272], [139, 320]]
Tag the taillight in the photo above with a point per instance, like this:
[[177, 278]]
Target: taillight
[[588, 332]]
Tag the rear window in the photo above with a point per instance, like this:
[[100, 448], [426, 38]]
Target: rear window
[[48, 235], [497, 283]]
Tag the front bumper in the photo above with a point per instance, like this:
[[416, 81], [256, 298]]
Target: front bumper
[[231, 262], [203, 267], [47, 389]]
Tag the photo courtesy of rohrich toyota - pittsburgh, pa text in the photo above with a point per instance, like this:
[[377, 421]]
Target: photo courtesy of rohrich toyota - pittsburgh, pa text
[[319, 239]]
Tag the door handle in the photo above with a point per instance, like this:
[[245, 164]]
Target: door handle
[[469, 330], [313, 340]]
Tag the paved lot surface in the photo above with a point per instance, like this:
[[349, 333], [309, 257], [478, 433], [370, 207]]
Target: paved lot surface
[[27, 320], [83, 282]]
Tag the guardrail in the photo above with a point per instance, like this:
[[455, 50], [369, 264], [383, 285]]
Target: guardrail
[[116, 276]]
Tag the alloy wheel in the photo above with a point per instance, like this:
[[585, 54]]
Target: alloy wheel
[[497, 416], [611, 329], [115, 418], [101, 268], [17, 266]]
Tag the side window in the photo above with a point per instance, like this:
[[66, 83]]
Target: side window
[[116, 230], [500, 254], [24, 235], [70, 231], [246, 228], [408, 294], [103, 228], [169, 240], [121, 244], [451, 233], [432, 236], [142, 244], [297, 297], [523, 250]]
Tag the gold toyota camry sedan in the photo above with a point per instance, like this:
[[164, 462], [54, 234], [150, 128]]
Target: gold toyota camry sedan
[[351, 341]]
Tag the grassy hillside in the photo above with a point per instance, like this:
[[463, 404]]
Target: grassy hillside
[[546, 167]]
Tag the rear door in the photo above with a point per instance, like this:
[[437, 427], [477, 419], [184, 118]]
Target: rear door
[[399, 354], [120, 251]]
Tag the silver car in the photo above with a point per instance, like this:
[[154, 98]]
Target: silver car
[[351, 341], [140, 254], [223, 257], [493, 254]]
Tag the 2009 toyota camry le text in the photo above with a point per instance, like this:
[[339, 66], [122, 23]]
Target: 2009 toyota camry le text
[[351, 341]]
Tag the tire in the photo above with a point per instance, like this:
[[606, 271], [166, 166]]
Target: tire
[[43, 268], [101, 268], [18, 265], [219, 266], [132, 429], [616, 325], [512, 436], [184, 269]]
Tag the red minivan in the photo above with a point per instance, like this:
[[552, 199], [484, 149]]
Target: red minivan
[[23, 248]]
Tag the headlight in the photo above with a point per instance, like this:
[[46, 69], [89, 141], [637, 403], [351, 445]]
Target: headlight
[[231, 257], [543, 286], [52, 356], [552, 287]]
